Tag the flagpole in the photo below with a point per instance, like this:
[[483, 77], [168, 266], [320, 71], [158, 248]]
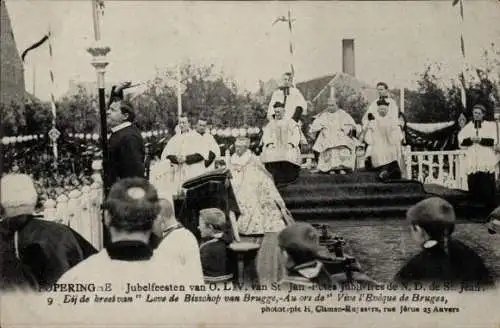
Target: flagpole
[[290, 27], [463, 93], [53, 133], [34, 80]]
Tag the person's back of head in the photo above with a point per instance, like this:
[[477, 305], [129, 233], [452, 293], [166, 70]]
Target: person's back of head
[[163, 222], [432, 223], [18, 195], [300, 241], [132, 205]]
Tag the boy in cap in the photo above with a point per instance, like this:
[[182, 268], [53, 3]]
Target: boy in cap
[[215, 258], [43, 249], [493, 224], [306, 260], [300, 243], [432, 222]]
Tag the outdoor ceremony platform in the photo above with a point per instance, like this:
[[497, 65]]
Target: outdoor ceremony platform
[[360, 195]]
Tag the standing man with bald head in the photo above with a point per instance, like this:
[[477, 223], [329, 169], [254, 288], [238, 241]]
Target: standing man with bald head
[[291, 97]]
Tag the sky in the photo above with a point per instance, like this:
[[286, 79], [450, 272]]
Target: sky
[[394, 40]]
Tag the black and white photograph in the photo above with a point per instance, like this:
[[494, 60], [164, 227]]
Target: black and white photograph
[[250, 163]]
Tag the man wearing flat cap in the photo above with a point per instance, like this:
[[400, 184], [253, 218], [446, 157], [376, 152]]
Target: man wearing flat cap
[[40, 251]]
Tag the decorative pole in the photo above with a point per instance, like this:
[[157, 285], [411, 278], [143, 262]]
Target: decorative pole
[[99, 61], [179, 92], [289, 20], [402, 99], [463, 90]]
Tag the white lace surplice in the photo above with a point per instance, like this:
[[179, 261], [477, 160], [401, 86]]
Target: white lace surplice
[[281, 140], [335, 147], [185, 144], [293, 100], [480, 158], [256, 195], [384, 138]]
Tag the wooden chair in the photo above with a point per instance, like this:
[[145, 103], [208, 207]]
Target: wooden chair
[[240, 248]]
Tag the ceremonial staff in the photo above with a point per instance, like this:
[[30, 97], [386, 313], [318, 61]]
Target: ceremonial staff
[[99, 61], [288, 20]]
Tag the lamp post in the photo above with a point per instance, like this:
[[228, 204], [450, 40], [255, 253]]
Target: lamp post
[[99, 51]]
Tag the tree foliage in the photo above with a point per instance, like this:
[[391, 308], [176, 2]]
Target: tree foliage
[[434, 102]]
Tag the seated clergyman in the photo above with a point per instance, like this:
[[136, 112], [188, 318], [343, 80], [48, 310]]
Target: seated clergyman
[[334, 144], [281, 137]]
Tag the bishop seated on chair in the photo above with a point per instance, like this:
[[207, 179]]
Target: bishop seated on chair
[[334, 142]]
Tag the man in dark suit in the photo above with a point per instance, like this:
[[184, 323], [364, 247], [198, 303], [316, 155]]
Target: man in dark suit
[[126, 149]]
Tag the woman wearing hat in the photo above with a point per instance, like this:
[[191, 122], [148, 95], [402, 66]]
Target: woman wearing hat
[[442, 258], [479, 138]]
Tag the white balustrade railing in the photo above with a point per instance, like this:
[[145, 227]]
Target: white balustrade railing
[[444, 168]]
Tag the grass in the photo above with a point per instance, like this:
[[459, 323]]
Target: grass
[[383, 247]]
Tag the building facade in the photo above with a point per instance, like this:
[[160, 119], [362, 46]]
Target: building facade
[[12, 87]]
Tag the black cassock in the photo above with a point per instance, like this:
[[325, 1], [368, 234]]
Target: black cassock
[[46, 250]]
